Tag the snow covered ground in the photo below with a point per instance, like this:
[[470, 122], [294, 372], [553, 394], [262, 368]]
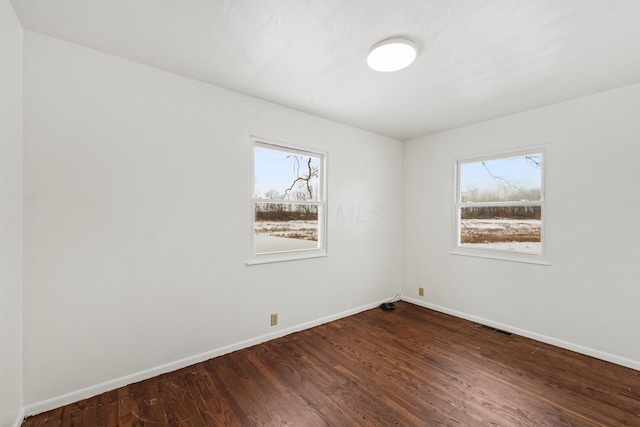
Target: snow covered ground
[[502, 224], [521, 247], [280, 236], [266, 244], [511, 235], [499, 234], [305, 230]]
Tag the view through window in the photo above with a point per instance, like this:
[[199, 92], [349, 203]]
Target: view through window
[[288, 200], [500, 203]]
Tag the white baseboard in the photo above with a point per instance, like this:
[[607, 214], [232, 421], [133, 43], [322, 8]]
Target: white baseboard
[[19, 419], [75, 396], [538, 337]]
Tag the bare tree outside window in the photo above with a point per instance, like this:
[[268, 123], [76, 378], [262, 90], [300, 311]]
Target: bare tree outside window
[[287, 200], [302, 178]]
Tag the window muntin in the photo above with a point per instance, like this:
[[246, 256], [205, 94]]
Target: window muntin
[[500, 206], [288, 203]]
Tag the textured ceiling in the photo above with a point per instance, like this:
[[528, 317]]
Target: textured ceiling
[[478, 59]]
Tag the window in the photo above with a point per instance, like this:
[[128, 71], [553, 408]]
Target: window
[[500, 206], [288, 203]]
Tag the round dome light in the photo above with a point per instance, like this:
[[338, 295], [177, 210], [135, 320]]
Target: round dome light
[[391, 55]]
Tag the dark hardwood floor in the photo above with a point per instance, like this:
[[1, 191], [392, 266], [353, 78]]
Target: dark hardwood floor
[[410, 367]]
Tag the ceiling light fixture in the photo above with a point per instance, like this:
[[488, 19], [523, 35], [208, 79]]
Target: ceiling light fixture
[[391, 54]]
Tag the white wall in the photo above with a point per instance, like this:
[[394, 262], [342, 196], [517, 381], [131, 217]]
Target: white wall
[[587, 299], [10, 216], [135, 222]]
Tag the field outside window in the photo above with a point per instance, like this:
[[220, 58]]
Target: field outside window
[[500, 206]]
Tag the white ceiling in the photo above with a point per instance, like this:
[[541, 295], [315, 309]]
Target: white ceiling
[[478, 59]]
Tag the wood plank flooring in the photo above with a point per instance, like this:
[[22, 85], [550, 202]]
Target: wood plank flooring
[[409, 367]]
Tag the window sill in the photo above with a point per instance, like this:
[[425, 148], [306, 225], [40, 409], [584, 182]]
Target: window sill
[[279, 257], [502, 256]]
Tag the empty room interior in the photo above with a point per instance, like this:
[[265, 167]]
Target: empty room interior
[[205, 205]]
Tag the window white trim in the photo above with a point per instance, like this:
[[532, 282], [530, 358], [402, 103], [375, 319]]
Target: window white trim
[[533, 258], [321, 202]]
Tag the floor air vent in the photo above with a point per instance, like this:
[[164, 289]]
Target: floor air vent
[[500, 331]]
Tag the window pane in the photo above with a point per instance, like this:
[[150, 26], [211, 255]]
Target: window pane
[[501, 180], [508, 228], [286, 176], [281, 227]]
